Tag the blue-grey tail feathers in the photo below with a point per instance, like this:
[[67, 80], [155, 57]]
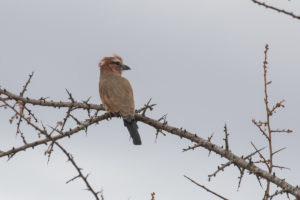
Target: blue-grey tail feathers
[[133, 131]]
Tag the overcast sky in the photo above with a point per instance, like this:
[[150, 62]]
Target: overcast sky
[[200, 61]]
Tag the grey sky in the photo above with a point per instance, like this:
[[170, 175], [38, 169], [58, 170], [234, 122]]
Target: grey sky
[[200, 61]]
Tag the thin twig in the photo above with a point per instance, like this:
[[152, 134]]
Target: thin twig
[[205, 188], [223, 166], [26, 84], [84, 178], [226, 138], [277, 9]]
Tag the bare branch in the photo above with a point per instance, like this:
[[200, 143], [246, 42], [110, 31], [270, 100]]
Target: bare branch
[[282, 131], [261, 156], [276, 9], [226, 138], [43, 102], [277, 105], [72, 179], [223, 166], [279, 150], [146, 107], [26, 84], [84, 178], [208, 190], [70, 157], [85, 124], [259, 126], [223, 153], [242, 172], [191, 147], [160, 125]]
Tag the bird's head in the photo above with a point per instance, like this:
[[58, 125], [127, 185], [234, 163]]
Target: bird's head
[[113, 65]]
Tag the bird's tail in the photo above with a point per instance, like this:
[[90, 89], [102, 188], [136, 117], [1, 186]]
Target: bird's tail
[[133, 130]]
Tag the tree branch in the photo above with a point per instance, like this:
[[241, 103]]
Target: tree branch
[[276, 9], [208, 190], [238, 161]]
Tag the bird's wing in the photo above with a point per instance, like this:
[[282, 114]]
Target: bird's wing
[[117, 95]]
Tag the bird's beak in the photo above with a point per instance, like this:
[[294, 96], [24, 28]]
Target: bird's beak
[[125, 67]]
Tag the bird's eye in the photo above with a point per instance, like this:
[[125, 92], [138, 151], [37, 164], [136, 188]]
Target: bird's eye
[[116, 63]]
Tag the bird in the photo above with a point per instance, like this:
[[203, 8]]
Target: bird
[[116, 93]]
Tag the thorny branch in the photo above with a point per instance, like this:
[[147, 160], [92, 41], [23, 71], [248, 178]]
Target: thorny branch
[[223, 166], [61, 135], [208, 190], [236, 160], [243, 163], [276, 9], [26, 84], [84, 178], [226, 138], [266, 130], [43, 131]]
